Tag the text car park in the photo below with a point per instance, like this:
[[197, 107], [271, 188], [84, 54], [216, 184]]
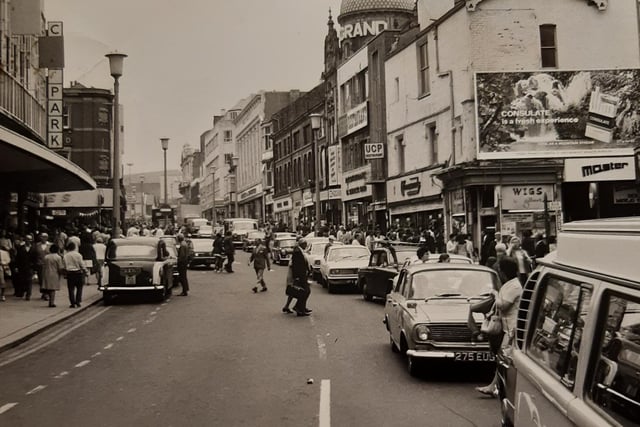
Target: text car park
[[427, 311]]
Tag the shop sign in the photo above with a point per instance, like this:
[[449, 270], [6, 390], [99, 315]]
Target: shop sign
[[307, 198], [251, 192], [355, 184], [54, 94], [268, 199], [556, 113], [508, 228], [362, 29], [334, 164], [58, 212], [595, 169], [282, 205], [457, 201], [78, 199], [357, 118], [413, 186], [373, 150], [626, 195], [335, 193], [525, 197]]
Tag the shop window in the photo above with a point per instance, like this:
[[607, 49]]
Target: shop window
[[548, 48], [615, 385], [559, 324]]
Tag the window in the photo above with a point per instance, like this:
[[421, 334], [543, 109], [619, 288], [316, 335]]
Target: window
[[396, 89], [432, 142], [400, 148], [559, 323], [228, 136], [423, 68], [296, 140], [615, 384], [548, 49]]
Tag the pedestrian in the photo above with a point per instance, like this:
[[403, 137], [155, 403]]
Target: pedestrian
[[76, 273], [40, 250], [218, 253], [5, 260], [88, 253], [528, 243], [328, 245], [452, 243], [183, 264], [100, 249], [444, 258], [300, 271], [521, 256], [541, 248], [229, 251], [52, 273], [260, 259], [462, 248], [23, 270]]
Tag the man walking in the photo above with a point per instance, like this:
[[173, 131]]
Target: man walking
[[183, 264], [229, 251], [300, 270], [260, 259]]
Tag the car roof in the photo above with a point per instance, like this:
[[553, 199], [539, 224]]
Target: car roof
[[415, 268], [132, 241]]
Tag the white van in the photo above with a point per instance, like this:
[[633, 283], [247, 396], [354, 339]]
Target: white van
[[577, 355]]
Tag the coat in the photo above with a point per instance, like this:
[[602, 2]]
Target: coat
[[52, 270], [299, 265]]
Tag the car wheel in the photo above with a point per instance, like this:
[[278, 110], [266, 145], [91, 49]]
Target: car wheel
[[160, 295], [412, 366], [330, 287], [394, 347], [365, 292]]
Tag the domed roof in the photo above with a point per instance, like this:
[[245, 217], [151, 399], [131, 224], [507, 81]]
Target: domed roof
[[350, 6]]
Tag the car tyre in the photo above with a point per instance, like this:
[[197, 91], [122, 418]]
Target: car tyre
[[394, 347], [330, 287], [413, 366], [365, 292]]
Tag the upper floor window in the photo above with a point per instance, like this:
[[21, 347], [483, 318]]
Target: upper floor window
[[548, 47], [228, 136], [423, 68]]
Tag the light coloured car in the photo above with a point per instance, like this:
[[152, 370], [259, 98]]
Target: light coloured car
[[249, 242], [205, 231], [339, 269], [315, 255], [426, 312]]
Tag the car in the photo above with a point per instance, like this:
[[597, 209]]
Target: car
[[281, 250], [132, 266], [201, 253], [239, 228], [249, 241], [426, 312], [315, 254], [340, 267], [376, 279], [280, 234]]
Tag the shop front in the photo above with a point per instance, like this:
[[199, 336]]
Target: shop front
[[357, 197], [88, 207], [282, 211], [331, 206], [250, 202]]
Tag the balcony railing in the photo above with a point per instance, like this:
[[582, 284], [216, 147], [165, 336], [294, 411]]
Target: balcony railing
[[18, 103]]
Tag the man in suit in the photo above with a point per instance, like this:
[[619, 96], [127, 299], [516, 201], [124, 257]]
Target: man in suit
[[183, 264], [229, 251], [300, 270]]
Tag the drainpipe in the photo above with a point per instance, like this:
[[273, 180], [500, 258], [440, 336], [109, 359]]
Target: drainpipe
[[449, 74]]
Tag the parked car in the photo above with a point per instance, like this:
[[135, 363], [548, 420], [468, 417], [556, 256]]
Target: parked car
[[132, 265], [249, 241], [201, 253], [426, 312], [282, 249], [315, 254], [340, 267], [376, 279]]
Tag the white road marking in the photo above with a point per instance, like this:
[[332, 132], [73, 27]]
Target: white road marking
[[61, 374], [165, 303], [325, 404], [322, 348], [153, 313], [53, 339], [37, 389], [96, 354], [5, 408], [119, 338], [83, 363], [108, 346], [132, 330]]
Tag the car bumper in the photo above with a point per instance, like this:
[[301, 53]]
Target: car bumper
[[343, 280], [467, 355], [202, 261], [119, 288]]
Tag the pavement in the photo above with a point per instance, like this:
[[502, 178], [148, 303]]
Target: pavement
[[21, 320]]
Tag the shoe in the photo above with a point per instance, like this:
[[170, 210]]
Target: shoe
[[72, 306], [52, 305], [300, 313], [308, 310], [264, 289], [255, 289], [183, 294], [488, 391], [287, 310], [78, 305]]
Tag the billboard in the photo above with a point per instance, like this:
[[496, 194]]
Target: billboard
[[533, 114]]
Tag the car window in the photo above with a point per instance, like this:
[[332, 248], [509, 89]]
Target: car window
[[132, 251], [451, 282], [400, 282], [288, 243], [615, 384], [559, 321], [347, 252], [202, 245]]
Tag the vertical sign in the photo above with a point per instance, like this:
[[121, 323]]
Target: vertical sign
[[334, 165], [54, 97]]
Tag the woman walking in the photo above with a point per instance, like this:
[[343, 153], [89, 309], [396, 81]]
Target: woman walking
[[76, 273], [52, 271]]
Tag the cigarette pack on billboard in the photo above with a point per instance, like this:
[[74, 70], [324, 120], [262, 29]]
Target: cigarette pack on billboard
[[601, 121]]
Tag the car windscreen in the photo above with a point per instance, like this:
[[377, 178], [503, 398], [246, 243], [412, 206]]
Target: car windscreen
[[132, 251], [451, 282], [318, 248], [405, 255], [348, 252], [287, 243], [202, 245]]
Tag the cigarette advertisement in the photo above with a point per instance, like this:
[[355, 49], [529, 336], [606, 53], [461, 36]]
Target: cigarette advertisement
[[557, 113]]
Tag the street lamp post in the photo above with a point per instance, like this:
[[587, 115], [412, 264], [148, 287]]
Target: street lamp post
[[315, 126], [142, 206], [116, 61], [164, 142], [234, 166]]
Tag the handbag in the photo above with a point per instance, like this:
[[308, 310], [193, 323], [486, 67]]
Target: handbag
[[492, 324], [295, 291]]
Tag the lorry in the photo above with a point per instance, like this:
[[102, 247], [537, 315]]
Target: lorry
[[186, 212]]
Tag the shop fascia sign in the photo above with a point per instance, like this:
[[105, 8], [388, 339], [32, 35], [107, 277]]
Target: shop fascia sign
[[251, 192], [526, 197], [55, 81], [595, 169], [355, 183], [357, 118], [362, 29], [307, 198], [78, 199], [412, 186]]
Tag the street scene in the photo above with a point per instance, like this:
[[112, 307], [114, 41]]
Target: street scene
[[322, 213]]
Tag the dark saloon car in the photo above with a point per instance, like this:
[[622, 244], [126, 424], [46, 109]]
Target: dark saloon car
[[135, 265], [201, 252], [376, 279], [282, 249]]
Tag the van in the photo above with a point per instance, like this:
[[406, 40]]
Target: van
[[576, 358], [239, 228]]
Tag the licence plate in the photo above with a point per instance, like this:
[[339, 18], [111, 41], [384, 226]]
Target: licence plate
[[474, 356], [130, 280]]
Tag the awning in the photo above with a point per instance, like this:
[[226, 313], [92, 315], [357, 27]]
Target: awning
[[26, 165], [408, 209]]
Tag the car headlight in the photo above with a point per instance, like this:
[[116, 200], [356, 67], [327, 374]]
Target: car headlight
[[283, 252], [333, 271], [422, 332]]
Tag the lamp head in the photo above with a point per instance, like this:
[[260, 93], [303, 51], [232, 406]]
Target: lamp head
[[315, 120], [165, 143], [116, 61]]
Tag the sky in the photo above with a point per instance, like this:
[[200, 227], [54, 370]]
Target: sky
[[189, 59]]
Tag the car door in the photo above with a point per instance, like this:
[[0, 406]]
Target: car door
[[393, 307], [384, 273], [366, 274]]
